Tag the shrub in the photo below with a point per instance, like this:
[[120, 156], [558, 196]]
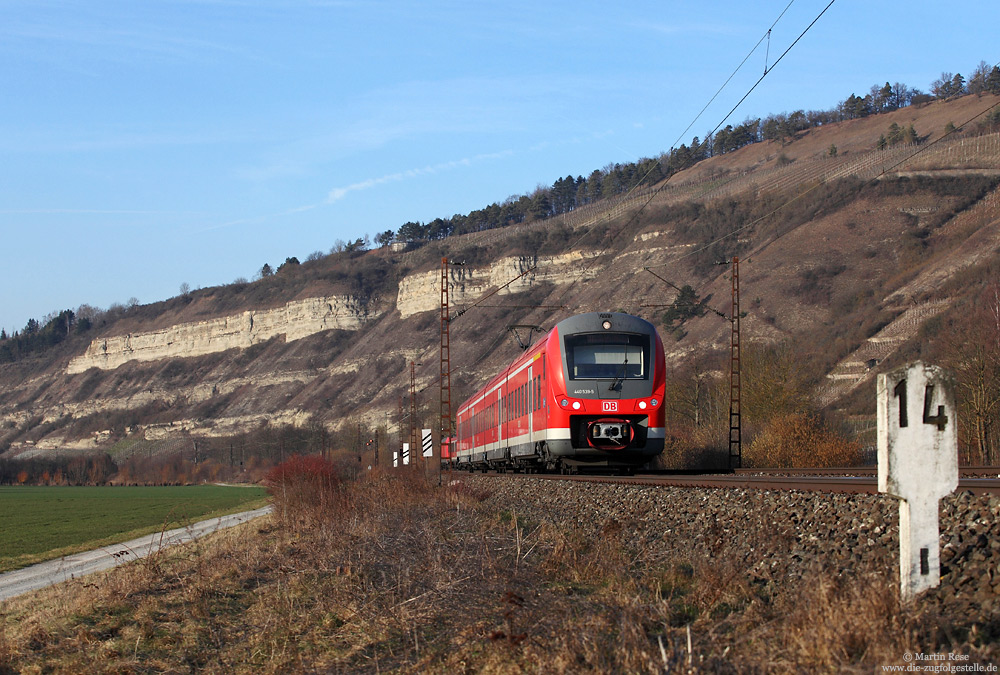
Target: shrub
[[800, 440], [304, 489]]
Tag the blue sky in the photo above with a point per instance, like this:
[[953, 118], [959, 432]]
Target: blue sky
[[153, 143]]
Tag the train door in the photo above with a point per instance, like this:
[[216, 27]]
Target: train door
[[505, 408], [530, 407], [498, 423]]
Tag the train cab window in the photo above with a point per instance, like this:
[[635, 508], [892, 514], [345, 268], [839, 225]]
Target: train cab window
[[608, 356]]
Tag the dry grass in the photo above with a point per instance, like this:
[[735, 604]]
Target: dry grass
[[797, 440], [402, 577]]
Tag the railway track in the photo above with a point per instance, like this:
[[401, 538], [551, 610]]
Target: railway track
[[978, 480]]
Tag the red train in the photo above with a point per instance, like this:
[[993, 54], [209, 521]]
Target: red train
[[589, 394]]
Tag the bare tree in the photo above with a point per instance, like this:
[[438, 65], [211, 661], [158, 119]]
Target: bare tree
[[972, 352], [978, 79]]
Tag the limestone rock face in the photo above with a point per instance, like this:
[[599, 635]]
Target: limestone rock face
[[295, 320], [422, 292]]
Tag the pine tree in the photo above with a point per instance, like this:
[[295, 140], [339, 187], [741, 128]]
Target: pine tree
[[957, 85], [993, 81], [895, 134]]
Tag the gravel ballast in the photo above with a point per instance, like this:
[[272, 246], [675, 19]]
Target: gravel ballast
[[778, 536]]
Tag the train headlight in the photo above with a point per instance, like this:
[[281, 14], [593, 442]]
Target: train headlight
[[607, 325], [653, 401], [576, 405], [642, 405], [564, 403]]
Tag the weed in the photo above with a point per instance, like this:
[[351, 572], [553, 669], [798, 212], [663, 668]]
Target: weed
[[395, 575]]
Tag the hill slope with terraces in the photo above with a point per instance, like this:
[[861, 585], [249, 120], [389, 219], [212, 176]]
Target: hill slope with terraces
[[844, 254]]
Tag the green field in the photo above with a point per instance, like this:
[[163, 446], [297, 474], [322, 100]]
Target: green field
[[42, 523]]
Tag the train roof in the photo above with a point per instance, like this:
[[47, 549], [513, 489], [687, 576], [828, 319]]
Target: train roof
[[591, 321]]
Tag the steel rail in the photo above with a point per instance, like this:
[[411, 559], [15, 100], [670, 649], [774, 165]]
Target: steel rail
[[804, 483], [966, 471]]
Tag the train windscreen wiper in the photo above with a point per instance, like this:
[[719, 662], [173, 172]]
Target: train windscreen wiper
[[620, 378]]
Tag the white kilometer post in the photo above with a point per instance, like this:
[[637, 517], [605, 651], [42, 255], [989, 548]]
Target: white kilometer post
[[918, 464]]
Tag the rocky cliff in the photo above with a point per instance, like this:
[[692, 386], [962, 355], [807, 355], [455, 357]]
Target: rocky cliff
[[295, 320], [516, 274]]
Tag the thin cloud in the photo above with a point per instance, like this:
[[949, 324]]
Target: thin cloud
[[106, 37], [338, 193], [256, 220], [100, 212]]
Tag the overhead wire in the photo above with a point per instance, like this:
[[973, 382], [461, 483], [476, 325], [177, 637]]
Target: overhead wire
[[638, 212], [922, 149], [733, 74], [777, 61], [641, 180]]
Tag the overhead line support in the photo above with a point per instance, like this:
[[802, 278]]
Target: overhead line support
[[413, 414], [735, 377], [445, 400]]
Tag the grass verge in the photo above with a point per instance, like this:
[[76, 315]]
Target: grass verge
[[44, 523]]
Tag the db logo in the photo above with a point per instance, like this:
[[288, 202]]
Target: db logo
[[609, 406]]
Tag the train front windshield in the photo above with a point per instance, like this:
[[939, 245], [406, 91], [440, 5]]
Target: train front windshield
[[607, 356]]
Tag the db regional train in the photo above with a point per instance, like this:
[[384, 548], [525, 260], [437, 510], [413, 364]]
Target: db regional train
[[588, 394]]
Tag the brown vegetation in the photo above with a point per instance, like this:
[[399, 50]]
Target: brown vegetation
[[396, 576], [798, 440]]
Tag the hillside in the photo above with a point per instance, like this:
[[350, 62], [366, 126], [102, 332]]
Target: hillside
[[845, 254]]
